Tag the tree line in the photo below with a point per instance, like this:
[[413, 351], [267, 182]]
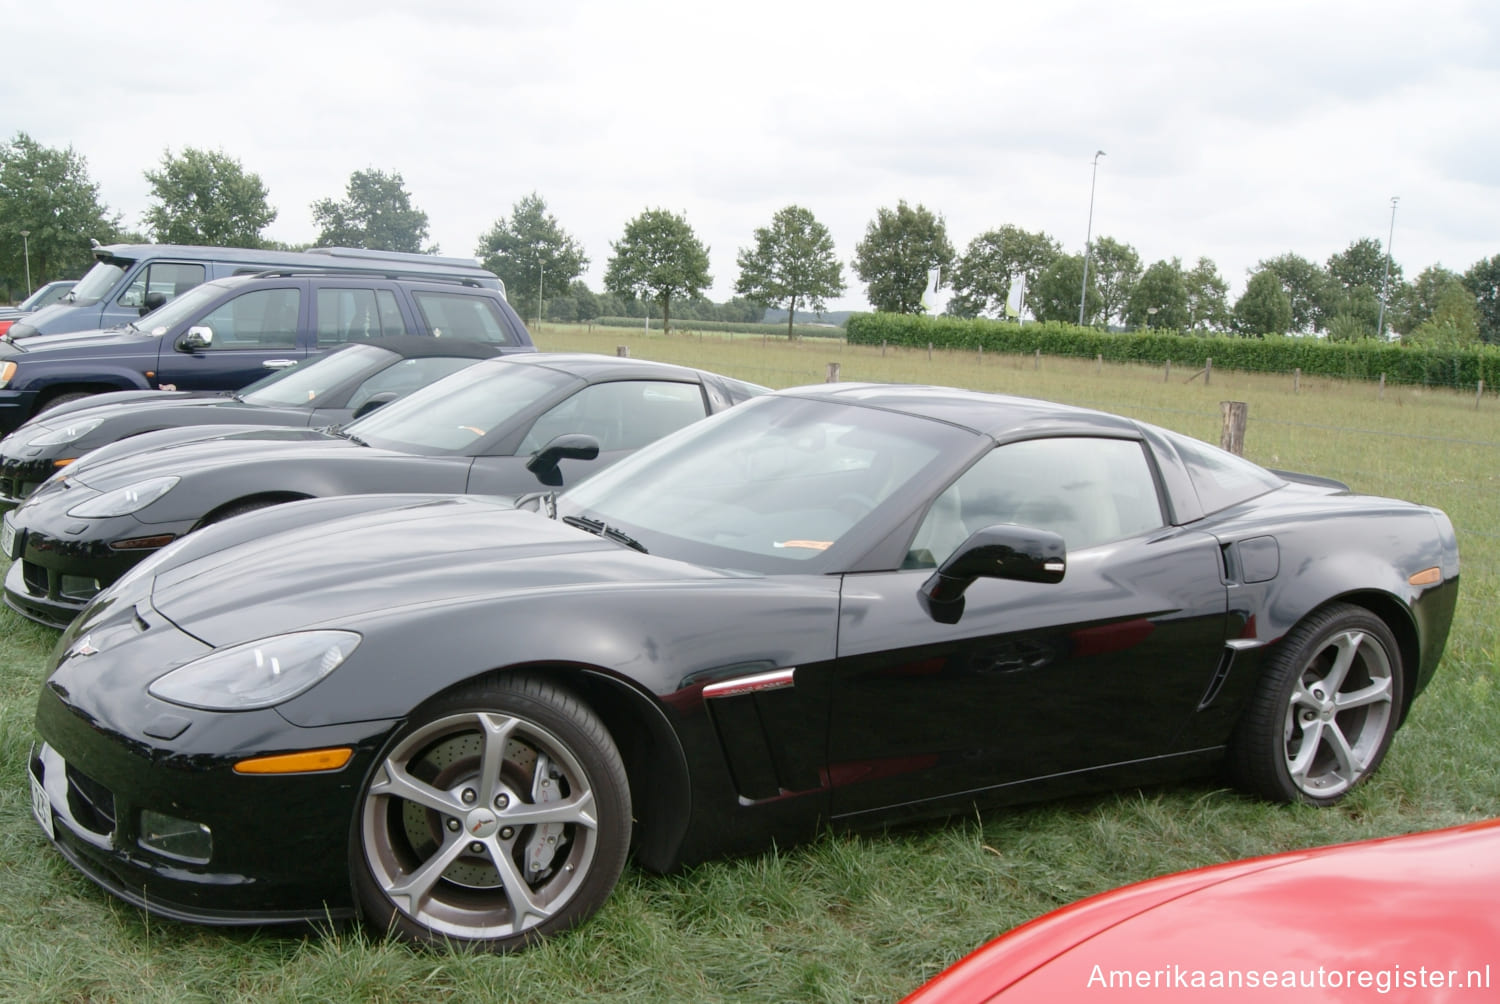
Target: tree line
[[660, 268]]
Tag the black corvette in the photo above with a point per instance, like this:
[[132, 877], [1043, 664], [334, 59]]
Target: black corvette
[[492, 428], [455, 717], [335, 387]]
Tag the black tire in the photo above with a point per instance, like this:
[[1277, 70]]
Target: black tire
[[444, 789], [1327, 706], [61, 399], [238, 509]]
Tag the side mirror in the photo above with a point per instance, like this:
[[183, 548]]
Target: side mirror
[[198, 337], [153, 299], [375, 401], [570, 446], [1003, 551]]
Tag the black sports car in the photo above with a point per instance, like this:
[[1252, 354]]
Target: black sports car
[[343, 384], [849, 603], [508, 424]]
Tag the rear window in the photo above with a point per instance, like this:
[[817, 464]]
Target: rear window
[[454, 315], [1221, 478]]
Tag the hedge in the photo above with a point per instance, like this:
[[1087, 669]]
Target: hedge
[[1364, 360]]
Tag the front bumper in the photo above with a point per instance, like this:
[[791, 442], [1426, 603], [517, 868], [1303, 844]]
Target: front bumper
[[280, 843], [20, 476]]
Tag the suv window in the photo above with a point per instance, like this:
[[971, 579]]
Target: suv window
[[168, 278], [1089, 491], [357, 314], [454, 315], [259, 318]]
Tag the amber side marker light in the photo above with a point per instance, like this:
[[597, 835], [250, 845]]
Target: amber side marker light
[[306, 762], [1427, 577], [63, 463]]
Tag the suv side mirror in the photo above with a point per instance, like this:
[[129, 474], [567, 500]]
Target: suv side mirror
[[153, 299], [569, 446], [1003, 551], [198, 337]]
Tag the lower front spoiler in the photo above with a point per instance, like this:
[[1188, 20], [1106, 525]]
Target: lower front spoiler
[[117, 875], [39, 606]]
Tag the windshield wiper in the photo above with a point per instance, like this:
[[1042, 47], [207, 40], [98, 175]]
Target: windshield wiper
[[342, 433], [601, 529]]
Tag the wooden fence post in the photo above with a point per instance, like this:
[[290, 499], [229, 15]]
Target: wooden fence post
[[929, 352], [1297, 380], [833, 373], [1382, 386], [1167, 376], [1037, 360], [1099, 363], [1208, 371], [981, 355], [623, 351], [882, 348], [1479, 394], [1232, 435]]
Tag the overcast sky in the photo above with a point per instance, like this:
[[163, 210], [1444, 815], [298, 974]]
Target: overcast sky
[[1232, 130]]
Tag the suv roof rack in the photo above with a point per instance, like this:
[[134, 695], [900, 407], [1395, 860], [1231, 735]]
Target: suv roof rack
[[368, 273]]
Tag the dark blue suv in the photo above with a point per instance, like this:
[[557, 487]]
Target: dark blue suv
[[224, 334]]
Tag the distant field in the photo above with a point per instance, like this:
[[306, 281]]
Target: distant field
[[867, 917]]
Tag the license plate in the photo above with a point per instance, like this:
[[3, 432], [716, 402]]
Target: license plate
[[41, 806], [8, 537]]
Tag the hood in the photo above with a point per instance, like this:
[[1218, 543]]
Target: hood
[[99, 342], [120, 402], [199, 449], [380, 557]]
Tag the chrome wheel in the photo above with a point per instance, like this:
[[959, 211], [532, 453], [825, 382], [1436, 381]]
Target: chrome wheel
[[494, 824], [1339, 715]]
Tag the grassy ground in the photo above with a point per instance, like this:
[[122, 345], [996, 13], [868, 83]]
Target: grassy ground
[[850, 918]]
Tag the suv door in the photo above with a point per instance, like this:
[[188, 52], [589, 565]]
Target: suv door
[[249, 334]]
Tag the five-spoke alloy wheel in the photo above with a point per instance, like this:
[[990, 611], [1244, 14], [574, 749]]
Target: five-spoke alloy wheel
[[499, 815]]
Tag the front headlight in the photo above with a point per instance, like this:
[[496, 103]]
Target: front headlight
[[68, 433], [7, 372], [124, 501], [257, 674]]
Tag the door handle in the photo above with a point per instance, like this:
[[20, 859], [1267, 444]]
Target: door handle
[[278, 364]]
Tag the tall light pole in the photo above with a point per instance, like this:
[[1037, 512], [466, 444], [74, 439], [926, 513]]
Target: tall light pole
[[539, 271], [1385, 279], [26, 244], [1088, 240]]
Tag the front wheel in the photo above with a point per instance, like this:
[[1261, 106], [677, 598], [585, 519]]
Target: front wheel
[[500, 815], [1327, 706]]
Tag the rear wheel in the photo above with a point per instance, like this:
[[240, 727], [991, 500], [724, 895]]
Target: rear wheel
[[1327, 707], [500, 815]]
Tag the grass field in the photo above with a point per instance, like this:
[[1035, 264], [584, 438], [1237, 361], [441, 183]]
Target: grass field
[[866, 917]]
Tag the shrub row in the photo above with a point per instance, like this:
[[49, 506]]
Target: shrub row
[[1365, 360], [738, 327]]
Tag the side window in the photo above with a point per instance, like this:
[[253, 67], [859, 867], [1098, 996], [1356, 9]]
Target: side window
[[406, 376], [165, 277], [1089, 491], [454, 315], [624, 415], [346, 315], [261, 318]]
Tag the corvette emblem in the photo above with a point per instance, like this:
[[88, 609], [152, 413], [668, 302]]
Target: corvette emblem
[[83, 647]]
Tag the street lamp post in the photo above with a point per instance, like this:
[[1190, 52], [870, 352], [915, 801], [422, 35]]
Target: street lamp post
[[539, 271], [1088, 240], [26, 245], [1385, 279]]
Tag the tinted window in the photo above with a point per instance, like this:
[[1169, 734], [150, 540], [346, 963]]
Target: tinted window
[[169, 278], [454, 315], [1221, 478], [262, 318], [1089, 491], [346, 315], [304, 383], [624, 415], [406, 376], [98, 281]]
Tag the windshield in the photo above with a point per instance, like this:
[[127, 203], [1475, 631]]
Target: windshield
[[187, 306], [450, 416], [305, 382], [98, 281], [50, 293], [771, 485]]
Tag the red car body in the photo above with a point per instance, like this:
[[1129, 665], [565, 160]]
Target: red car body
[[1409, 918]]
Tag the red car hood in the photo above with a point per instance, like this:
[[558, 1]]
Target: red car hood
[[1411, 918]]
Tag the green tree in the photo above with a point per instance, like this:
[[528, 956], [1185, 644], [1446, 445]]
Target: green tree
[[1360, 266], [1159, 299], [793, 259], [1264, 308], [1353, 314], [530, 252], [1114, 269], [1207, 297], [658, 258], [1418, 298], [206, 197], [376, 213], [1054, 295], [982, 276], [1305, 284], [1454, 320], [1483, 280], [900, 248], [48, 193]]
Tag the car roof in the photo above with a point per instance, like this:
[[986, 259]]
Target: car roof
[[1001, 416], [597, 368], [428, 346]]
